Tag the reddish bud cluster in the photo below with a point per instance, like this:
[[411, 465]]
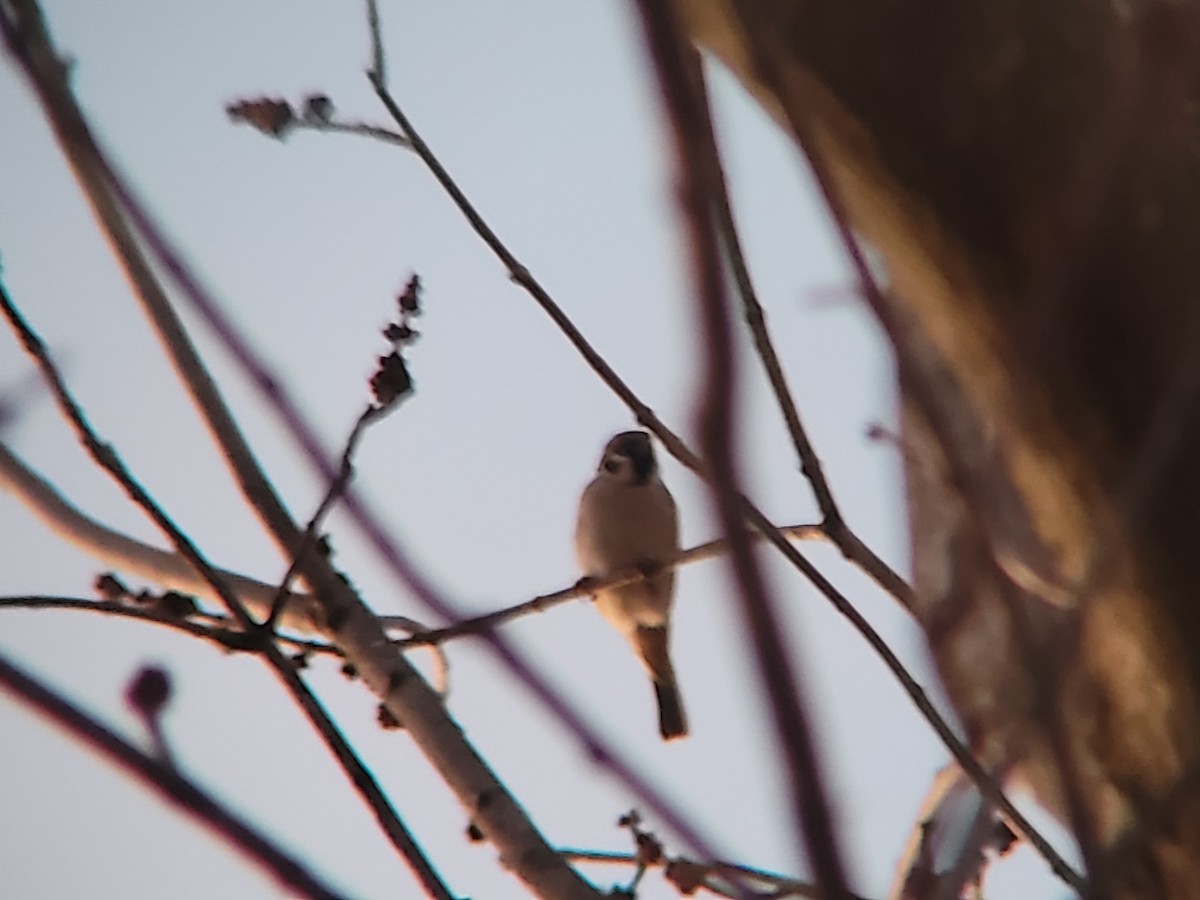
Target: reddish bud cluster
[[149, 692], [392, 380]]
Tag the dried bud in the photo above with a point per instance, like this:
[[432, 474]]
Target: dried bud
[[649, 849], [149, 692], [391, 380], [349, 670], [109, 587], [409, 300], [300, 660], [883, 435], [318, 108], [686, 875], [400, 333], [387, 721], [474, 833], [271, 117], [1003, 838], [175, 605], [631, 819]]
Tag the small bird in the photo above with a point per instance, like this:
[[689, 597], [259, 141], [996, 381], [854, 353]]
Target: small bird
[[627, 520]]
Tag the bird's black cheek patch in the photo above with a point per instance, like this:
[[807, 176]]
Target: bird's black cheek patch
[[643, 466]]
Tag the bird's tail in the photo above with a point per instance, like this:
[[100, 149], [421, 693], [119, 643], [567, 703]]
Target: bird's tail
[[652, 647], [672, 723]]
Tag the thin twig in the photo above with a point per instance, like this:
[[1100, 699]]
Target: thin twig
[[378, 71], [120, 551], [302, 613], [167, 782], [695, 151], [780, 886], [285, 670], [336, 488], [585, 588], [362, 129], [220, 630], [833, 522]]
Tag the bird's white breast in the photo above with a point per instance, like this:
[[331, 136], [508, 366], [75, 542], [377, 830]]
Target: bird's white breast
[[621, 526]]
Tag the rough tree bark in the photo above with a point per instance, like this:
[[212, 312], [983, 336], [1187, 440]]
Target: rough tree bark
[[1029, 172]]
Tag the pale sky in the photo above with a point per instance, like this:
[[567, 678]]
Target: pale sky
[[547, 115]]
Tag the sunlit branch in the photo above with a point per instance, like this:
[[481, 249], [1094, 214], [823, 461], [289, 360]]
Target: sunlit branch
[[162, 567]]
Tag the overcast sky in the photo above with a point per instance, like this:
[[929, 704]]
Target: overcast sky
[[547, 114]]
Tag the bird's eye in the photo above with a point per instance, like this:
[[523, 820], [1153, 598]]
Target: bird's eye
[[611, 465]]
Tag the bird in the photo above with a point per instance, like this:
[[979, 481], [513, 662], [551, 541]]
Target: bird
[[628, 521]]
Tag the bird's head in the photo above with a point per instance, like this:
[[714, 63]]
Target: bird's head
[[629, 459]]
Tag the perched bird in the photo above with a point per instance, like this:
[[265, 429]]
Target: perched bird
[[627, 521]]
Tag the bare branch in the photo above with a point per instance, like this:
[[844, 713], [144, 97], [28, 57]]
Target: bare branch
[[220, 630], [715, 877], [377, 72], [360, 129], [171, 570], [695, 151], [281, 600], [584, 588], [834, 523], [167, 782], [954, 836], [163, 567]]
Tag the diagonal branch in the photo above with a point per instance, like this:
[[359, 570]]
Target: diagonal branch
[[162, 567], [281, 600], [166, 781], [833, 523], [695, 151]]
